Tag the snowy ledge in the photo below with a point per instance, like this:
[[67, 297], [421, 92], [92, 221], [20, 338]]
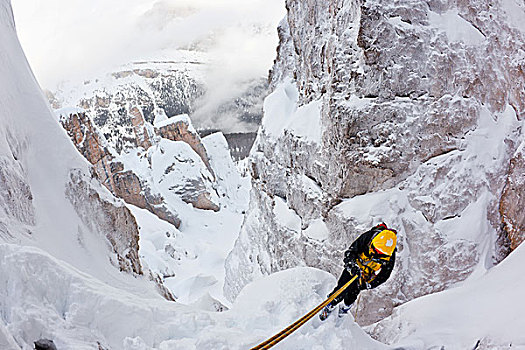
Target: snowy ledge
[[67, 111], [281, 113]]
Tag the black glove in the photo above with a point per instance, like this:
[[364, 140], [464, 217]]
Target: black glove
[[348, 258], [353, 268], [366, 285]]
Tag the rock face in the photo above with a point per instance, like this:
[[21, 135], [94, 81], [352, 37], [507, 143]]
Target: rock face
[[135, 186], [45, 344], [513, 201], [118, 101], [123, 184], [115, 221], [140, 128], [415, 124], [181, 130]]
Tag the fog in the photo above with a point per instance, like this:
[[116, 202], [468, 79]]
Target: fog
[[78, 39]]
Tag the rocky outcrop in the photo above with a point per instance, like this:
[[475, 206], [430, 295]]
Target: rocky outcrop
[[132, 185], [513, 201], [114, 221], [88, 140], [113, 100], [102, 214], [417, 130], [140, 128], [45, 344], [381, 69], [127, 185], [16, 200], [181, 130], [122, 183], [167, 88]]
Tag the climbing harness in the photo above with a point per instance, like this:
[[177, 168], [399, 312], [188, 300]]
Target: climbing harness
[[294, 326]]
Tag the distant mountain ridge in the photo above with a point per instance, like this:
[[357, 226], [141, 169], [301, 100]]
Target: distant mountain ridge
[[162, 89]]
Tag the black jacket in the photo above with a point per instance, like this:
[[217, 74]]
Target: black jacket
[[362, 245]]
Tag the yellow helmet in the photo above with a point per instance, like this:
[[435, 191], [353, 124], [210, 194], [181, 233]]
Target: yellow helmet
[[384, 243]]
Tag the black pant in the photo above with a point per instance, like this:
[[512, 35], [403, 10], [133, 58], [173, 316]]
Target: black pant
[[350, 293]]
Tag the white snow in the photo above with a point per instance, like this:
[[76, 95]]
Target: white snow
[[282, 113], [286, 216], [306, 122], [490, 308], [232, 188], [78, 311], [317, 230], [192, 258], [174, 119], [159, 250], [471, 224], [375, 206], [515, 10], [51, 299], [160, 116], [66, 111], [456, 27]]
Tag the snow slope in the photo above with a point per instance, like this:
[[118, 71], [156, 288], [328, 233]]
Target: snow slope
[[48, 298], [191, 259], [51, 299], [488, 310], [35, 148]]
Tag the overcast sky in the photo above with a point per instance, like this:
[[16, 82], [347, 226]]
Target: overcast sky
[[77, 39]]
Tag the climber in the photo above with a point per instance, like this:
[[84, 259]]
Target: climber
[[371, 257]]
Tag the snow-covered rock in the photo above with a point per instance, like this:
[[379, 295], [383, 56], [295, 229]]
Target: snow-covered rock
[[170, 167], [419, 108], [156, 88], [109, 169], [130, 175]]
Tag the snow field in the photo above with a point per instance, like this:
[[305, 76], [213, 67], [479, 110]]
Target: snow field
[[48, 298], [191, 259]]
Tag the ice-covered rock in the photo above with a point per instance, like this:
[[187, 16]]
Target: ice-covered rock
[[125, 184], [149, 88], [114, 220], [419, 108]]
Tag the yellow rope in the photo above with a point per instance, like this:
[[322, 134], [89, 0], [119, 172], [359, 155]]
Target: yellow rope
[[294, 326]]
